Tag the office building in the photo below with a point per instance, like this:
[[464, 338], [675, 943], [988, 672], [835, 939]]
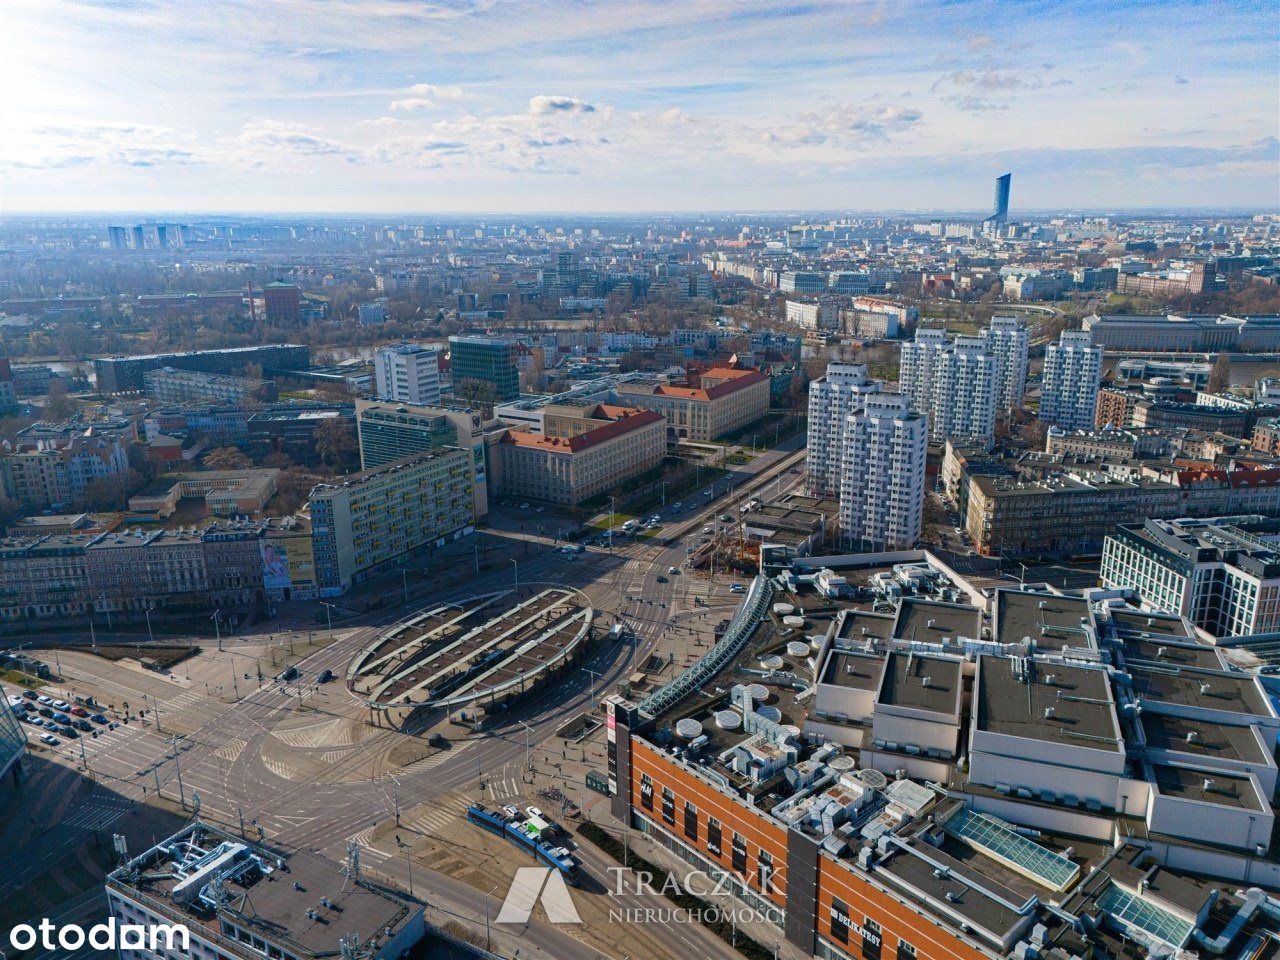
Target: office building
[[583, 451], [1072, 372], [1008, 342], [1178, 280], [239, 900], [408, 373], [1000, 206], [832, 398], [952, 382], [374, 519], [117, 238], [1185, 334], [725, 401], [1222, 574], [883, 473], [388, 432], [181, 387], [283, 302], [291, 430], [125, 374], [488, 361]]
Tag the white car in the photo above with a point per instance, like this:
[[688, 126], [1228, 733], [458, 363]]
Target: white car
[[61, 705], [737, 588], [50, 739]]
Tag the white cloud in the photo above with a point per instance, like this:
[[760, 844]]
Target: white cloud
[[543, 105], [426, 96]]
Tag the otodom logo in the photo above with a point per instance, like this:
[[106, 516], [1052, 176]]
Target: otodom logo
[[107, 935], [532, 884]]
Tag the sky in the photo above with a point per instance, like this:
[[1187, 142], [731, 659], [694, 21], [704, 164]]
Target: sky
[[405, 106]]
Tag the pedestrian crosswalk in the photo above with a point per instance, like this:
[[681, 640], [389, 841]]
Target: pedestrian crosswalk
[[508, 789], [98, 813]]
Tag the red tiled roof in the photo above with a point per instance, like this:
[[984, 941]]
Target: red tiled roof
[[632, 420], [733, 380]]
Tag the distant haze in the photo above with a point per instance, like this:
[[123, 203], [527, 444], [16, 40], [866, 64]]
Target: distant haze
[[645, 105]]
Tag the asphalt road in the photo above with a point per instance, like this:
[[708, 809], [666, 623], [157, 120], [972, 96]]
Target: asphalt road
[[223, 761]]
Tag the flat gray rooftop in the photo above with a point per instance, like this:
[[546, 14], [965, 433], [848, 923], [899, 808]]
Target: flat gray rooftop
[[1197, 688], [1048, 619], [858, 671], [1083, 712], [859, 625], [1171, 653], [1223, 790], [1157, 624], [1218, 740], [928, 622], [917, 877], [921, 682]]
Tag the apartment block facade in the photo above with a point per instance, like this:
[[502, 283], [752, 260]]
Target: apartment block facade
[[57, 473], [954, 383], [393, 431], [842, 391], [375, 518], [1072, 373], [883, 473], [171, 386], [1008, 343], [408, 373]]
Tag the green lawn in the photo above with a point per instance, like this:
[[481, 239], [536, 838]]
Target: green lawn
[[602, 523]]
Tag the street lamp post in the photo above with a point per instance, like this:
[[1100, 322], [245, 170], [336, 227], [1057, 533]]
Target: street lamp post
[[147, 611], [528, 746], [404, 579], [217, 626], [515, 572], [593, 674]]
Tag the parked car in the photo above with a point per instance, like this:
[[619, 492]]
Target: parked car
[[61, 717], [47, 701], [83, 725], [30, 694], [33, 720], [45, 711], [50, 739], [69, 732], [61, 705], [725, 518], [99, 719], [78, 712]]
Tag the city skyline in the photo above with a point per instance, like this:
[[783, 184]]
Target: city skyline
[[385, 107]]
